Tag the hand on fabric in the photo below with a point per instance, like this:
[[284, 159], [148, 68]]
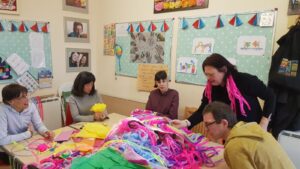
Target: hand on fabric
[[97, 116], [48, 135], [179, 123], [30, 128], [264, 122]]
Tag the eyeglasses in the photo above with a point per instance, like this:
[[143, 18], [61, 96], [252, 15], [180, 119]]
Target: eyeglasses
[[207, 124]]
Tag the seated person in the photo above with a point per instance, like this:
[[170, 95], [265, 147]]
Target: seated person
[[163, 100], [18, 116], [247, 145], [83, 97]]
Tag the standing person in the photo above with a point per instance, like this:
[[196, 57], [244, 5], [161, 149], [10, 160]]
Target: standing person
[[163, 100], [73, 59], [239, 90], [83, 97], [77, 30], [247, 145], [19, 117]]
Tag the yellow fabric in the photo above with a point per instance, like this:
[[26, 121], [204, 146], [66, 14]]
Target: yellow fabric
[[98, 107], [93, 130], [63, 147], [248, 146]]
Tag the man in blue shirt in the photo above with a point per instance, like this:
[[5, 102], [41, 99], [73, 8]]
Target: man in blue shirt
[[18, 116]]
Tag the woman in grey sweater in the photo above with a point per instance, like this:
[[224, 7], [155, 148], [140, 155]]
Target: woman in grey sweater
[[83, 97]]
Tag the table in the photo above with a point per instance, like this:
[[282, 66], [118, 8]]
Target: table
[[17, 160]]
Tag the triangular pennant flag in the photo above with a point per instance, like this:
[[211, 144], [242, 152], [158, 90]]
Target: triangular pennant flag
[[130, 28], [238, 21], [45, 28], [253, 20], [164, 27], [35, 27], [184, 24], [198, 24], [140, 28], [13, 27], [219, 23], [1, 27], [151, 27], [23, 27], [232, 21]]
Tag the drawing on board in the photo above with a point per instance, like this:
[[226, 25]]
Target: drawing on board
[[187, 65], [203, 46], [147, 47]]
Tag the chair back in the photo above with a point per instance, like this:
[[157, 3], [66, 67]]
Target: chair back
[[64, 92]]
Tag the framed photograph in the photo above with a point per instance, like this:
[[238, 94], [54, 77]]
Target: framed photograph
[[78, 60], [76, 5], [76, 30], [161, 6], [9, 6], [294, 7]]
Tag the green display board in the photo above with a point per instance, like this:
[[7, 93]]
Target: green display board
[[225, 43], [147, 47], [18, 42]]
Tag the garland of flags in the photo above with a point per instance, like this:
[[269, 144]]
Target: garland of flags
[[14, 26], [151, 27]]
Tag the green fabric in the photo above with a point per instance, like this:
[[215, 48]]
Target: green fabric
[[106, 159]]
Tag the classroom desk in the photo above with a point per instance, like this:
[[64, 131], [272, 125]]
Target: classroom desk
[[18, 159]]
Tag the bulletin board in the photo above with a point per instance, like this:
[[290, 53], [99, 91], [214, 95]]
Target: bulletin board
[[126, 65], [15, 38], [225, 37]]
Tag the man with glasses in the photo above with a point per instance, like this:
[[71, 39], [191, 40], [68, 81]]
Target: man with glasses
[[18, 116], [247, 145]]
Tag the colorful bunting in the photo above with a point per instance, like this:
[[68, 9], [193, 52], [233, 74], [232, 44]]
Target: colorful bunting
[[13, 27], [140, 28], [23, 27], [198, 24], [253, 20], [219, 23], [184, 24], [151, 27], [35, 27], [130, 28], [235, 21], [1, 27], [164, 27], [45, 28]]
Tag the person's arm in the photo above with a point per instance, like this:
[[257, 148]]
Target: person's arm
[[36, 120], [197, 117], [75, 112], [173, 111], [5, 138]]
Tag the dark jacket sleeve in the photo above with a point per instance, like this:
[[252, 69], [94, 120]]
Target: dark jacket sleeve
[[173, 112], [257, 88], [196, 117]]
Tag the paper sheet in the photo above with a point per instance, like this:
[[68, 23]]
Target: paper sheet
[[187, 65], [64, 136], [36, 43], [121, 29], [28, 81], [17, 63]]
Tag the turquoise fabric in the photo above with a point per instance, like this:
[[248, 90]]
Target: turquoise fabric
[[106, 159]]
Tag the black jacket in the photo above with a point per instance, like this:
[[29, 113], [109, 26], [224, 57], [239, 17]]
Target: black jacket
[[251, 88]]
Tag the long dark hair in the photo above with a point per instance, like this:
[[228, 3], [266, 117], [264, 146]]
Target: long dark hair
[[82, 79], [220, 63]]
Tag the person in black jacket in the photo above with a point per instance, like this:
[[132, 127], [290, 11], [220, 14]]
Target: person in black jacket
[[239, 90]]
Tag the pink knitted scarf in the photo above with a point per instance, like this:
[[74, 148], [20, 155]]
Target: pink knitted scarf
[[233, 93]]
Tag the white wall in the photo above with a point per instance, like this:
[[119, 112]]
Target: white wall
[[114, 11]]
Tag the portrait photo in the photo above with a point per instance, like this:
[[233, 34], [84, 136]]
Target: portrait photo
[[78, 60], [8, 6], [76, 30], [76, 5]]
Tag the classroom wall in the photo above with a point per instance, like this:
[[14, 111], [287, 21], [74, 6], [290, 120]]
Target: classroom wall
[[103, 12], [116, 11]]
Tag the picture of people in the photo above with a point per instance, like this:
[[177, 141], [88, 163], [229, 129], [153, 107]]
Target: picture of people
[[147, 47], [76, 5], [76, 30], [78, 59], [8, 6]]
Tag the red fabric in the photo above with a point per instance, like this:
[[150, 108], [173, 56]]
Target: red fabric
[[69, 119]]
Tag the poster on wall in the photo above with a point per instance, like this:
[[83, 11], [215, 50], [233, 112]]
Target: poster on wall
[[147, 47], [187, 65], [109, 39], [203, 46], [251, 45], [161, 6], [8, 6]]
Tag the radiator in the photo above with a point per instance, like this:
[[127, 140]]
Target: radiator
[[52, 112]]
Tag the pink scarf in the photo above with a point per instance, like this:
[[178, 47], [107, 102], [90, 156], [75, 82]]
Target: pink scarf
[[233, 93]]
